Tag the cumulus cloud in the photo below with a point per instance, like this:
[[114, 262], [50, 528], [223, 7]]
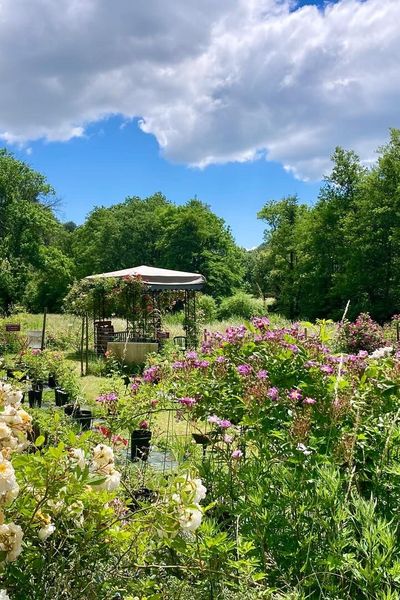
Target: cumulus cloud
[[213, 81]]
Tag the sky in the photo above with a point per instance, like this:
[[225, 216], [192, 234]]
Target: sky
[[233, 101]]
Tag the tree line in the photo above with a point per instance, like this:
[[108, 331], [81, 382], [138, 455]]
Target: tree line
[[313, 259], [344, 247]]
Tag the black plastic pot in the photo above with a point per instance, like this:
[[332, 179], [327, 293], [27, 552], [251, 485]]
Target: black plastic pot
[[61, 397], [140, 444], [35, 398], [72, 410], [85, 419], [51, 382], [203, 440], [10, 373]]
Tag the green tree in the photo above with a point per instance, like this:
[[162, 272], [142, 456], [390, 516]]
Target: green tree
[[27, 227], [281, 257]]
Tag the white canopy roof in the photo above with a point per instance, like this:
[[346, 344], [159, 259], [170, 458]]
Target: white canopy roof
[[160, 279]]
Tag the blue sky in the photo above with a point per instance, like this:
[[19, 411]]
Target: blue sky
[[234, 101], [116, 159]]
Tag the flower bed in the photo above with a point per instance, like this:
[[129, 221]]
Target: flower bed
[[289, 486]]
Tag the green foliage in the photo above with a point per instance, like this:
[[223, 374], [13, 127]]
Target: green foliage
[[346, 247], [33, 255], [206, 308], [240, 305], [156, 232]]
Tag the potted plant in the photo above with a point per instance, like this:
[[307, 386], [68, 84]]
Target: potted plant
[[35, 395], [140, 442], [85, 419]]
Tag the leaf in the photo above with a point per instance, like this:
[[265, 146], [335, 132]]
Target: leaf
[[40, 441]]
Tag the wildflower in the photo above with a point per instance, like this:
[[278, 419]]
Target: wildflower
[[46, 531], [309, 401], [151, 375], [327, 369], [191, 355], [260, 322], [295, 395], [244, 370], [144, 424], [201, 364], [220, 360], [236, 454], [178, 365], [11, 540], [362, 354], [224, 423], [187, 401], [213, 419], [273, 393], [228, 439], [263, 374]]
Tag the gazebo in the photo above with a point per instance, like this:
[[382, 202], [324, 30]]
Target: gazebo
[[141, 295]]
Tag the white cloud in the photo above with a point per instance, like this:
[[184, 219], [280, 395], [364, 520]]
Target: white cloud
[[214, 81]]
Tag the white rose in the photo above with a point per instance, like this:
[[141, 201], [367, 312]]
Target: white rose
[[111, 481], [77, 456], [4, 595], [200, 492], [46, 531], [14, 398], [103, 455], [11, 540], [190, 519], [7, 476]]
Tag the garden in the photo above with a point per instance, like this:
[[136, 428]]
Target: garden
[[263, 464]]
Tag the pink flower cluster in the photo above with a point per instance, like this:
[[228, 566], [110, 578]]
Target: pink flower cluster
[[187, 401], [223, 423], [107, 398], [151, 374]]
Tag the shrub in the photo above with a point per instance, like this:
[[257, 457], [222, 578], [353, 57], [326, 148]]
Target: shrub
[[363, 334], [206, 308], [241, 305]]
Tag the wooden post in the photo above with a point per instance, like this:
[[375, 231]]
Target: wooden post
[[82, 338], [305, 333], [43, 329], [87, 344]]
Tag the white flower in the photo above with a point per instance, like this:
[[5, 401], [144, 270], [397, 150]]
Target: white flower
[[14, 398], [7, 439], [45, 531], [4, 595], [382, 352], [10, 495], [102, 455], [10, 416], [8, 482], [112, 479], [190, 518], [302, 448], [77, 457], [200, 492], [11, 540]]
